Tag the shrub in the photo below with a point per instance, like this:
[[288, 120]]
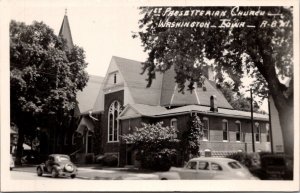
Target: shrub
[[249, 160], [155, 145], [159, 161], [110, 160], [89, 159]]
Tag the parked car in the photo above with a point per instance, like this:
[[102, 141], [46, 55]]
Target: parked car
[[209, 168], [58, 165], [12, 162], [277, 166]]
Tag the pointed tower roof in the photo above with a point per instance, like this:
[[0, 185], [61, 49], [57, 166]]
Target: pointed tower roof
[[65, 32]]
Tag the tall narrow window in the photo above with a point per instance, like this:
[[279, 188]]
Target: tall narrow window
[[205, 136], [113, 123], [238, 131], [268, 132], [115, 78], [173, 123], [257, 132], [225, 130]]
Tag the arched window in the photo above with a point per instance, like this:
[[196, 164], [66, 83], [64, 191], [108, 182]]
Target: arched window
[[238, 131], [113, 123], [205, 136], [225, 129], [257, 132]]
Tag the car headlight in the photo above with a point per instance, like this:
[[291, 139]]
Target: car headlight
[[69, 167]]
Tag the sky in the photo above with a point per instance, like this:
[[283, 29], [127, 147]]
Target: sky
[[95, 27]]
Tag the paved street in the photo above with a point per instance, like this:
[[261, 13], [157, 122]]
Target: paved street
[[86, 173]]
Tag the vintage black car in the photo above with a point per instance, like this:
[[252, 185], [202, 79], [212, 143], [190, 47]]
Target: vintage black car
[[58, 165]]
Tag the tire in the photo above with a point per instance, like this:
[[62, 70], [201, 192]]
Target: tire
[[73, 176], [54, 174], [39, 171]]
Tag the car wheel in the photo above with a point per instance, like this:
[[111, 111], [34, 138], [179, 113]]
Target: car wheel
[[73, 176], [39, 171], [54, 174]]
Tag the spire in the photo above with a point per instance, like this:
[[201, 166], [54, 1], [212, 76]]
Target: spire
[[65, 31]]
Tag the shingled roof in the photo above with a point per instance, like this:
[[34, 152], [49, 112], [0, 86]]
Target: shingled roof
[[172, 97], [87, 97], [164, 91], [65, 32], [136, 82], [158, 111]]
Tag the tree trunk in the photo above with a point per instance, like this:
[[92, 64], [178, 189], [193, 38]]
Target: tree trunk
[[284, 101], [19, 146], [286, 118]]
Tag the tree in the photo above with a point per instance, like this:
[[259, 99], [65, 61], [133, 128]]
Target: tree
[[190, 139], [263, 51], [44, 78], [156, 145], [238, 100]]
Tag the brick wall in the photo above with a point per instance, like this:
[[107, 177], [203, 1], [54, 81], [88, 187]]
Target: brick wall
[[109, 147]]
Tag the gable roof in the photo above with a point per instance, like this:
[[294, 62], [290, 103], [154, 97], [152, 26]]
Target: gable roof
[[172, 97], [87, 97], [136, 82], [65, 32], [163, 90]]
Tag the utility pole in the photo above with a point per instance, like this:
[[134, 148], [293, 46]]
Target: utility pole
[[270, 125], [252, 129]]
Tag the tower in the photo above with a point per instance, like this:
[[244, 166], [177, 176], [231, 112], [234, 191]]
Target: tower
[[65, 31]]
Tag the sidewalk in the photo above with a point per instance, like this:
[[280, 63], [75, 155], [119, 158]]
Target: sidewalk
[[94, 172]]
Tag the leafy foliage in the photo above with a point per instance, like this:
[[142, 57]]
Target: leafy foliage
[[44, 77], [264, 53], [238, 100], [191, 138], [156, 145]]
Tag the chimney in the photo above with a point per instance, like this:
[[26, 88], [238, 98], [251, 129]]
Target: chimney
[[213, 103]]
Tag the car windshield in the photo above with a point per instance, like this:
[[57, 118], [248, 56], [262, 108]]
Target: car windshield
[[62, 158], [234, 165]]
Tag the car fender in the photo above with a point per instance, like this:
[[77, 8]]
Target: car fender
[[169, 176], [42, 166]]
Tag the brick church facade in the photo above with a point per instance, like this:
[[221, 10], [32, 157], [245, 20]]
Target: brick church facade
[[124, 103]]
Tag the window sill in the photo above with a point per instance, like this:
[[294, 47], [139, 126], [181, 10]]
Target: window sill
[[225, 141], [113, 141]]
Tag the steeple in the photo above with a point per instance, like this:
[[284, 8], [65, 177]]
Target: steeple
[[65, 31]]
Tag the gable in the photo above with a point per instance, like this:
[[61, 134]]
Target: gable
[[136, 84], [130, 112], [113, 76]]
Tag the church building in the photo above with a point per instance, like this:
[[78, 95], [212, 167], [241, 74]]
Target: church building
[[115, 105]]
